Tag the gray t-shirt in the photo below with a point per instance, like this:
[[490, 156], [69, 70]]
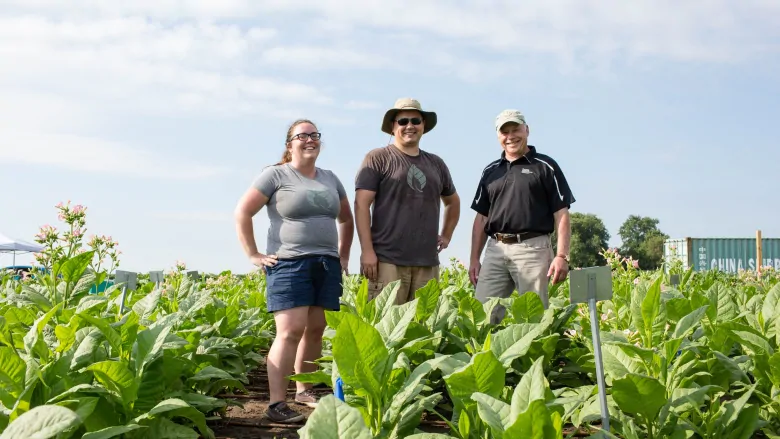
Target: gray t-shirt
[[302, 211]]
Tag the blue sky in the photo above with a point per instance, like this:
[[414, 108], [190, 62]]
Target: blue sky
[[156, 115]]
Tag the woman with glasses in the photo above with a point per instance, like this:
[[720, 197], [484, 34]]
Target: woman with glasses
[[305, 256]]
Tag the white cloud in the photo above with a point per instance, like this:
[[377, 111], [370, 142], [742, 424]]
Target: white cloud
[[361, 105], [155, 68], [194, 216], [324, 57], [698, 30], [87, 154]]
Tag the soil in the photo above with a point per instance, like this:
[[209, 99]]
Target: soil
[[250, 422]]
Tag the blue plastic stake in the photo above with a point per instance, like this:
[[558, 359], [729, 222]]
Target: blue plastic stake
[[339, 390]]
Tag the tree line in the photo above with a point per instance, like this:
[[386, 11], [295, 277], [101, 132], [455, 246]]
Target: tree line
[[641, 239]]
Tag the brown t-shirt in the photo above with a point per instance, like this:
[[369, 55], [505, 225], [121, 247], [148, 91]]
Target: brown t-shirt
[[405, 215]]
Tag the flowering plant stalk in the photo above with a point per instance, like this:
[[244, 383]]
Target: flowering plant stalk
[[65, 244]]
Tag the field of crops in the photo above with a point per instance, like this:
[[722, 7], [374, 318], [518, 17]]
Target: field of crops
[[695, 360]]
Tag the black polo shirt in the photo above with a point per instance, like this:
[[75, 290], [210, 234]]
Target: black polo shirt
[[522, 196]]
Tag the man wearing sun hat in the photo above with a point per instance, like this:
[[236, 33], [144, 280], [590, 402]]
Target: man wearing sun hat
[[520, 200], [400, 238]]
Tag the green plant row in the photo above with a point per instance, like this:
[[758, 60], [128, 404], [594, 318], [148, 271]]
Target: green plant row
[[695, 360]]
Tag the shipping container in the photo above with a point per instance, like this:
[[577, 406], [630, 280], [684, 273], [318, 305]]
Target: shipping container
[[729, 255]]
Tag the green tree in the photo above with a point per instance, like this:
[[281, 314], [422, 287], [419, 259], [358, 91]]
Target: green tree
[[589, 236], [643, 240]]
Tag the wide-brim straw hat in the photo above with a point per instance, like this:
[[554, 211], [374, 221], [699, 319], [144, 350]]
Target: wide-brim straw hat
[[408, 104]]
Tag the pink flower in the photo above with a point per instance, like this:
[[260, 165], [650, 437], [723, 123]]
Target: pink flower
[[636, 264], [636, 281]]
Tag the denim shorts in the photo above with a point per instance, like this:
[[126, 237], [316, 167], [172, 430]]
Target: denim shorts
[[306, 281]]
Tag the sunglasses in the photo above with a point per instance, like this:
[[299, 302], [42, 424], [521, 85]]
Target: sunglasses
[[304, 136], [405, 121]]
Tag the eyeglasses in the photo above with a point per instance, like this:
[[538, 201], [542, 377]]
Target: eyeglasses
[[304, 136], [405, 121]]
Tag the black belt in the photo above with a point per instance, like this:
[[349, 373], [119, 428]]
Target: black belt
[[515, 238]]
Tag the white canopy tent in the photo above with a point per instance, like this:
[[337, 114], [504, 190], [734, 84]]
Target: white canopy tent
[[14, 246]]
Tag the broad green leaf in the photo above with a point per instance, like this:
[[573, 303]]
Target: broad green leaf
[[639, 394], [33, 335], [116, 377], [617, 363], [755, 343], [164, 428], [528, 308], [151, 386], [406, 393], [429, 436], [514, 341], [533, 386], [108, 433], [12, 371], [361, 355], [392, 327], [174, 407], [651, 308], [105, 328], [42, 422], [145, 307], [534, 423], [36, 297], [89, 302], [73, 268], [495, 413], [149, 344], [427, 300], [484, 374], [87, 341], [385, 300], [364, 309], [334, 419], [689, 322], [723, 308], [411, 415], [770, 309]]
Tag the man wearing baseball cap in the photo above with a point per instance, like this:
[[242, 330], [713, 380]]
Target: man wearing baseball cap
[[400, 239], [521, 198]]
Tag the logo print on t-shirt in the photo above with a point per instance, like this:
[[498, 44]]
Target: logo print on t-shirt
[[319, 199], [415, 178]]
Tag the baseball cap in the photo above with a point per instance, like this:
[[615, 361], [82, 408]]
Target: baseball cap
[[509, 116]]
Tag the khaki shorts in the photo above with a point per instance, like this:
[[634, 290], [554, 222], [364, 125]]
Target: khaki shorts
[[412, 279], [509, 267]]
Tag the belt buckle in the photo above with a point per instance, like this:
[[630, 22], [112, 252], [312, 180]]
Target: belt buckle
[[508, 238]]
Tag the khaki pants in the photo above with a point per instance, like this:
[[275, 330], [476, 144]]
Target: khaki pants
[[412, 279], [508, 267]]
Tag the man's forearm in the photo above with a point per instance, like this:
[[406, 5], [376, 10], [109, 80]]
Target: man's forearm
[[478, 237], [563, 228], [363, 223], [451, 217]]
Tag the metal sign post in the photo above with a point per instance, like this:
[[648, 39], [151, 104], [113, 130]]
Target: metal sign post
[[590, 285], [156, 277], [128, 279]]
